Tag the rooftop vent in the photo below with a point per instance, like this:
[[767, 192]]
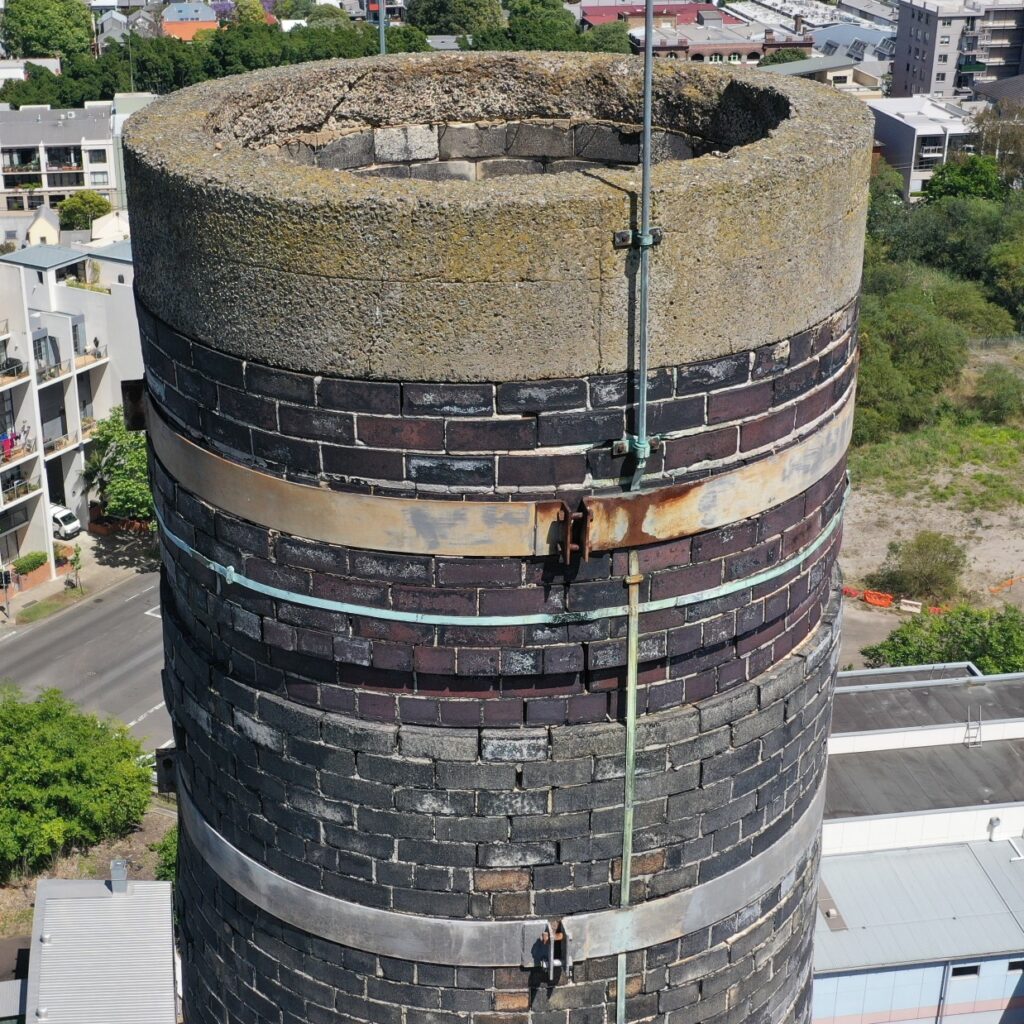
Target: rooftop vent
[[119, 876]]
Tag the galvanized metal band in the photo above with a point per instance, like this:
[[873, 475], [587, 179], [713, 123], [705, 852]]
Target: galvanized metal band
[[495, 528], [230, 575], [499, 943]]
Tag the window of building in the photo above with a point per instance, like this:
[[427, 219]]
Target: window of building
[[840, 79], [35, 200], [715, 58], [946, 22], [1015, 965], [943, 40], [941, 76], [734, 58], [10, 236], [943, 58], [120, 278], [15, 202], [98, 178], [971, 971], [97, 156], [56, 200]]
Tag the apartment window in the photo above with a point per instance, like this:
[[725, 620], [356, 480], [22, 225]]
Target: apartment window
[[10, 236], [908, 67], [98, 178], [946, 22], [941, 76], [734, 58], [943, 40], [15, 202], [35, 200], [1015, 965], [97, 156], [971, 971], [715, 58], [943, 58]]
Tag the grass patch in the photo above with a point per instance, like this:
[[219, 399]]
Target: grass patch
[[48, 606], [974, 467], [16, 921]]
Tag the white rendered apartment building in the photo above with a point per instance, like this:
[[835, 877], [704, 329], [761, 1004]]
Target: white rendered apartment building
[[68, 337]]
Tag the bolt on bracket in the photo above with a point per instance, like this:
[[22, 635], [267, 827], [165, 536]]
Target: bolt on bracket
[[629, 444], [633, 239]]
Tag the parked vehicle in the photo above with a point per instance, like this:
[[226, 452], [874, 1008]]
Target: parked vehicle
[[65, 523]]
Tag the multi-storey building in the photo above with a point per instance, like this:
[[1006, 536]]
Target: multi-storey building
[[918, 134], [946, 47], [45, 154], [68, 335]]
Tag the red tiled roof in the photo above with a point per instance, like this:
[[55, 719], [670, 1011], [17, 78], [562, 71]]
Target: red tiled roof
[[686, 13]]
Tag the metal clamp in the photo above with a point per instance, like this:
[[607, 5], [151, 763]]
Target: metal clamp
[[557, 942], [575, 532], [634, 239]]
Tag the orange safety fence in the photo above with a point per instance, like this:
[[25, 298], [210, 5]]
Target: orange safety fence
[[852, 592], [878, 599], [1005, 584]]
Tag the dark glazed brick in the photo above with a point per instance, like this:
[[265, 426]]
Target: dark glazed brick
[[770, 360], [280, 384], [541, 470], [542, 395], [591, 428], [248, 409], [317, 424], [666, 417], [704, 446], [713, 374], [360, 396], [450, 472], [400, 432], [767, 429], [289, 453], [363, 463], [217, 366], [619, 389], [491, 435], [448, 399], [740, 403], [798, 382]]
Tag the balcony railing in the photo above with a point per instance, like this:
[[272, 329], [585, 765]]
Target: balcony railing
[[26, 168], [57, 444], [53, 166], [90, 355], [17, 451], [52, 371], [18, 489], [12, 370], [88, 426], [929, 151]]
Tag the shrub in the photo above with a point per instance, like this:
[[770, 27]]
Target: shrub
[[67, 780], [61, 553], [167, 856], [28, 562], [999, 395], [992, 638], [927, 567]]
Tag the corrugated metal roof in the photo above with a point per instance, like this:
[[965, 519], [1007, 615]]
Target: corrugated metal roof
[[12, 998], [102, 958], [44, 257], [926, 905], [32, 126]]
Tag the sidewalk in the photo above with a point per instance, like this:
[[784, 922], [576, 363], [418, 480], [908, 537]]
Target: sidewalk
[[106, 561]]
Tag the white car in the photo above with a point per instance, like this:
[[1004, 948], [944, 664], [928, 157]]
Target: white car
[[65, 523]]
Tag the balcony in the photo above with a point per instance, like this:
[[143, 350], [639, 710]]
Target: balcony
[[929, 152], [16, 452], [90, 356], [12, 371], [88, 426], [59, 444], [47, 373], [28, 167], [17, 489]]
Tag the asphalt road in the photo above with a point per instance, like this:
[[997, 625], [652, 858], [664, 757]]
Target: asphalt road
[[105, 654]]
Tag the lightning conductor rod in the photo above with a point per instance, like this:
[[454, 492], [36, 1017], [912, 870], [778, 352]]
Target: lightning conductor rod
[[644, 240], [382, 18]]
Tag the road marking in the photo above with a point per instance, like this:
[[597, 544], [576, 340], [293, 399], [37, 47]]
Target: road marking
[[7, 636], [154, 612], [140, 593], [145, 714]]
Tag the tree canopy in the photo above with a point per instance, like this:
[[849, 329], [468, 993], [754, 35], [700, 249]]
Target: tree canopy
[[250, 12], [456, 17], [67, 779], [80, 209], [46, 28], [992, 638], [786, 55], [547, 25], [117, 470], [971, 175]]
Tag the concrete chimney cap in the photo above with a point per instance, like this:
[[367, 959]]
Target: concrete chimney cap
[[373, 266]]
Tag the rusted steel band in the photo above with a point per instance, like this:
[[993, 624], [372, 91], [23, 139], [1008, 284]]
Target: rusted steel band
[[510, 943], [517, 528]]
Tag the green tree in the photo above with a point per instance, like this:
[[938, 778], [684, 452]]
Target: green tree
[[1000, 132], [249, 12], [786, 55], [46, 28], [611, 37], [1005, 271], [999, 395], [954, 233], [326, 13], [117, 471], [928, 567], [992, 638], [167, 856], [455, 17], [294, 8], [67, 780], [79, 210], [75, 561], [971, 175], [887, 212]]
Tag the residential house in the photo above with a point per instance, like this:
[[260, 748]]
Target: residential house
[[184, 20]]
